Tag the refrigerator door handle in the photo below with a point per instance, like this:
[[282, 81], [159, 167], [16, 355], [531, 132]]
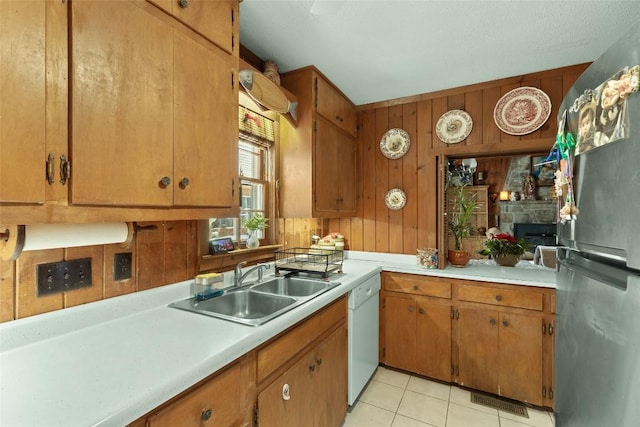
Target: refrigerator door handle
[[604, 273]]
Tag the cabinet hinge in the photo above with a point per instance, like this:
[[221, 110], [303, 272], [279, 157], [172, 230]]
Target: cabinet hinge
[[315, 93], [233, 42], [233, 187], [233, 81], [233, 15], [65, 170], [255, 415], [50, 169]]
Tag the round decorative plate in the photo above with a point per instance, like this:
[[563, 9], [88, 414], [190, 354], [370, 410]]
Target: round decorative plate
[[522, 110], [395, 143], [395, 199], [454, 126]]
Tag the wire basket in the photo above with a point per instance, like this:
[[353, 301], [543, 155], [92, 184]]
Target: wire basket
[[309, 260]]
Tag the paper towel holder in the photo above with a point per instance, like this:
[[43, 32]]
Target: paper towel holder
[[13, 238]]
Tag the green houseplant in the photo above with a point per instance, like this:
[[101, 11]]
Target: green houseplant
[[462, 205], [256, 222]]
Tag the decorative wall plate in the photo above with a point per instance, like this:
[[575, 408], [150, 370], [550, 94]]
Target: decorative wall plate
[[454, 126], [395, 143], [522, 110], [395, 199]]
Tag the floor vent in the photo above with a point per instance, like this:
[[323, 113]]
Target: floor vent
[[502, 405]]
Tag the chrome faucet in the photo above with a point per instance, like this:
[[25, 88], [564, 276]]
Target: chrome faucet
[[238, 277]]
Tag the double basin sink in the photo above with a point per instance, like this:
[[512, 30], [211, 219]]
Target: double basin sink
[[260, 302]]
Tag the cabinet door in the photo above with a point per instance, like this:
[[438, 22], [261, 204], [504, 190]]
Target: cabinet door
[[215, 403], [212, 19], [121, 82], [334, 107], [433, 338], [22, 101], [288, 401], [335, 169], [205, 126], [478, 346], [330, 379], [400, 332], [521, 357]]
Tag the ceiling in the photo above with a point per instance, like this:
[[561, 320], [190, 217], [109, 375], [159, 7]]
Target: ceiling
[[387, 49]]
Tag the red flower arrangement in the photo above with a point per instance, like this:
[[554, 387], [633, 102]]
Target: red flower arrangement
[[504, 244]]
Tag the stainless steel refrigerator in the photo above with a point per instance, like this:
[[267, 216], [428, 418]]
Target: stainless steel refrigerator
[[597, 353]]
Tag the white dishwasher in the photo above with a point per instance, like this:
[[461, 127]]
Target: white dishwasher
[[363, 335]]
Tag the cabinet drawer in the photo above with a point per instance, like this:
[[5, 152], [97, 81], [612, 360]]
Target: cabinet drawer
[[281, 349], [419, 285], [216, 403], [518, 298]]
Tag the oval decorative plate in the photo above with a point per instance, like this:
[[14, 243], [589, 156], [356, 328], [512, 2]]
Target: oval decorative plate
[[395, 199], [522, 110], [454, 126], [395, 143]]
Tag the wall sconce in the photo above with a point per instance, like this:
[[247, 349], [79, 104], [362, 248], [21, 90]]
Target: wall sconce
[[504, 195]]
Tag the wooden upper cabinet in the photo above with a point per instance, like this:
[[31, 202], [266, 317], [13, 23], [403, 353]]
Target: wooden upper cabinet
[[335, 170], [22, 102], [318, 158], [334, 106], [152, 111], [215, 20], [205, 115]]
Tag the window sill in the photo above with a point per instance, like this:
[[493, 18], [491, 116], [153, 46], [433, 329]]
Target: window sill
[[227, 261]]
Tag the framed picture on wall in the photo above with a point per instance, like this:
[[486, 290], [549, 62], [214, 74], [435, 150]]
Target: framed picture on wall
[[544, 173]]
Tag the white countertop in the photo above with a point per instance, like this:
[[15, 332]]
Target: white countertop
[[109, 362]]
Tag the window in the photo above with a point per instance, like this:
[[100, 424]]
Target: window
[[254, 172]]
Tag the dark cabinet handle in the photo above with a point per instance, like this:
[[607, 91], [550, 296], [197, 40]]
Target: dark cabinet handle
[[312, 368], [164, 182], [416, 287], [183, 3], [411, 309], [492, 322], [505, 323], [319, 361], [421, 310], [498, 297], [206, 414], [184, 182]]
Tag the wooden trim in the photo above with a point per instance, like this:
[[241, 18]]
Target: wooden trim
[[517, 80], [226, 262]]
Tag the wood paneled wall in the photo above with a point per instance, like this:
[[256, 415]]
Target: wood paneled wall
[[382, 230], [163, 252]]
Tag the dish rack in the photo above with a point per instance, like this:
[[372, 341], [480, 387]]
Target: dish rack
[[309, 260]]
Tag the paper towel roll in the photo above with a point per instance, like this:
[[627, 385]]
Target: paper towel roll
[[50, 236]]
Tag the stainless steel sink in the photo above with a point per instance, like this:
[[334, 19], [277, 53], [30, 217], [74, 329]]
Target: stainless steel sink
[[258, 303], [292, 286]]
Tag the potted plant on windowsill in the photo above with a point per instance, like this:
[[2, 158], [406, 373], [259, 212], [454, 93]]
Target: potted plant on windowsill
[[256, 222], [461, 212]]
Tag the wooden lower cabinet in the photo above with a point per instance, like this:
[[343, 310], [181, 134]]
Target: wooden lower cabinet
[[418, 335], [298, 378], [492, 337], [501, 353], [215, 403], [313, 391]]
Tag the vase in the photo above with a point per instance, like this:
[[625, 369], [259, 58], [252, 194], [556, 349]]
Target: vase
[[458, 258], [508, 260], [253, 241]]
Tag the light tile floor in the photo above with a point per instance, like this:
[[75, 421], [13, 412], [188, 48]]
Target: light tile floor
[[396, 399]]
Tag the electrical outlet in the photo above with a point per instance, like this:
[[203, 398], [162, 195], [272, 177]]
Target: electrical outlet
[[122, 266], [63, 276]]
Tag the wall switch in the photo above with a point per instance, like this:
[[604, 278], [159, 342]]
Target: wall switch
[[63, 276], [122, 266]]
